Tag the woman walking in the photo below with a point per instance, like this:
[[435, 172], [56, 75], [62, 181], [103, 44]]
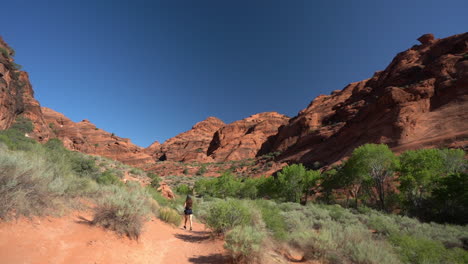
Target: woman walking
[[188, 211]]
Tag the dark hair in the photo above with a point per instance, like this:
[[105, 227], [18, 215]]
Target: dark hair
[[188, 202]]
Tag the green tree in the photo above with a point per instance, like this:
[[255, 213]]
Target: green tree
[[249, 188], [451, 199], [419, 174], [227, 185], [295, 181], [371, 165], [434, 184]]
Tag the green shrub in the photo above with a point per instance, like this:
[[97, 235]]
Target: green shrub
[[107, 178], [184, 189], [383, 224], [122, 210], [5, 52], [420, 250], [338, 243], [155, 180], [24, 186], [157, 196], [223, 215], [15, 140], [83, 165], [202, 170], [170, 216], [23, 124], [136, 171], [273, 218], [244, 243]]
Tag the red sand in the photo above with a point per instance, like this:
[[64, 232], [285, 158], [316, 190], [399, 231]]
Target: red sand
[[70, 240]]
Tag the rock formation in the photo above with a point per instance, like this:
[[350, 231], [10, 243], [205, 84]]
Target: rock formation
[[17, 96], [87, 138], [420, 100], [244, 138], [191, 145]]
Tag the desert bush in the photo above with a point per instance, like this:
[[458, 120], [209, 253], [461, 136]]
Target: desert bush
[[337, 243], [136, 171], [202, 170], [107, 178], [15, 140], [170, 216], [24, 189], [155, 180], [222, 215], [184, 189], [122, 209], [23, 124], [244, 243], [273, 218], [417, 250], [5, 52]]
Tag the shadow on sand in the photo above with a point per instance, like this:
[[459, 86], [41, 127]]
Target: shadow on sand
[[210, 259], [194, 236]]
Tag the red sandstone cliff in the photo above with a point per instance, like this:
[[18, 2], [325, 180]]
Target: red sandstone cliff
[[243, 139], [212, 140], [420, 100], [191, 145], [87, 138], [17, 96]]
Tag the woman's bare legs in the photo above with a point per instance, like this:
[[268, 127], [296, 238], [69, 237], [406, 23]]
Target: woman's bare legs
[[190, 217], [185, 223]]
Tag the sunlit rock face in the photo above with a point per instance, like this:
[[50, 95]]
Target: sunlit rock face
[[418, 101]]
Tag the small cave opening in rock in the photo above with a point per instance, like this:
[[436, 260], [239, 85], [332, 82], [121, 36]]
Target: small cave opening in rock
[[163, 158]]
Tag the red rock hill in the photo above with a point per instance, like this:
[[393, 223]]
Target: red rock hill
[[420, 100], [85, 137]]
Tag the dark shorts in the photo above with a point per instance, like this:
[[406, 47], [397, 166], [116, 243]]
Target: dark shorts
[[188, 211]]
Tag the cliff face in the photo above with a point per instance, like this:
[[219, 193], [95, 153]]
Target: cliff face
[[17, 96], [211, 140], [87, 138], [191, 145], [243, 139], [419, 100]]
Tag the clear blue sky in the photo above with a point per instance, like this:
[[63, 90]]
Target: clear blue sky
[[148, 70]]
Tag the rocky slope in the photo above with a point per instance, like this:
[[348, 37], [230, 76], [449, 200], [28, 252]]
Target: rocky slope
[[191, 145], [213, 141], [243, 139], [87, 138], [420, 100]]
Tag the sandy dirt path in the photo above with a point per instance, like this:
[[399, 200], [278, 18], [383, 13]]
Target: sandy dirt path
[[71, 240]]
